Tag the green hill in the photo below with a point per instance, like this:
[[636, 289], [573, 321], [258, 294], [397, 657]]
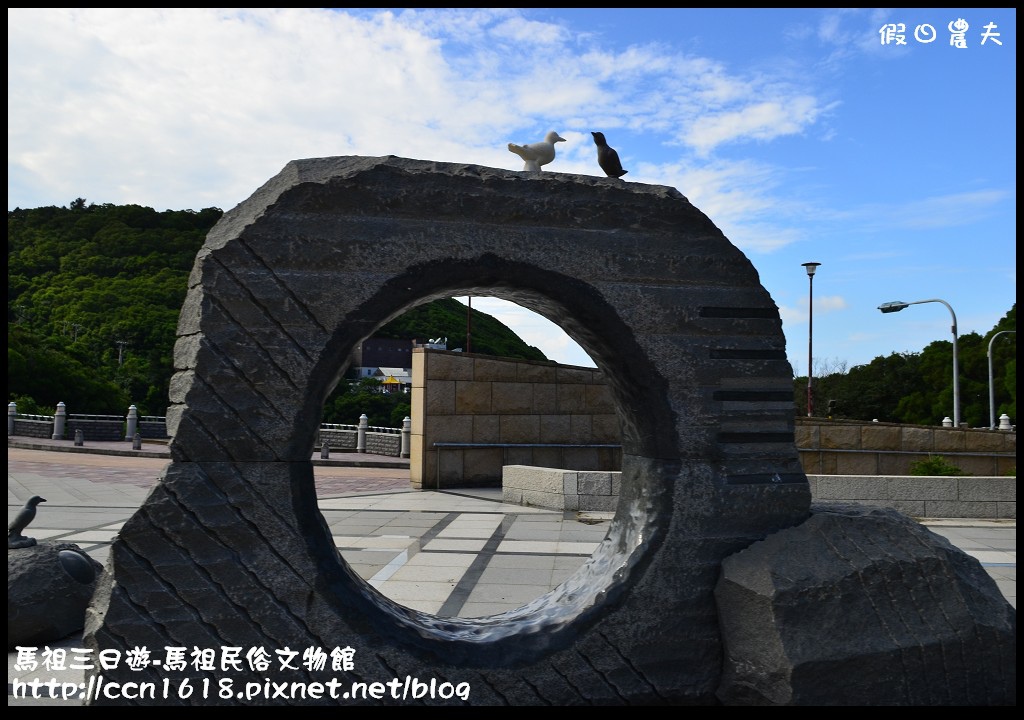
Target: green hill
[[93, 298], [447, 318]]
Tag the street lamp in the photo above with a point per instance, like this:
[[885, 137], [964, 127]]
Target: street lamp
[[810, 267], [896, 306], [991, 389]]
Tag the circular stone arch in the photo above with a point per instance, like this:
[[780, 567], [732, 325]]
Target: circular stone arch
[[230, 549]]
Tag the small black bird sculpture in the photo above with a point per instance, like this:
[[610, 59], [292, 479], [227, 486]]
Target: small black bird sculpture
[[15, 539], [607, 158]]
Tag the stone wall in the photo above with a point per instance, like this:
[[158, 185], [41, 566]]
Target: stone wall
[[33, 428], [586, 491], [337, 439], [387, 444], [154, 428], [95, 428], [515, 412], [916, 496], [484, 400], [481, 399], [854, 447], [923, 496]]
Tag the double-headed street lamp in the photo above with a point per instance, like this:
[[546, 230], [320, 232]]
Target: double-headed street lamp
[[991, 388], [810, 267], [896, 306]]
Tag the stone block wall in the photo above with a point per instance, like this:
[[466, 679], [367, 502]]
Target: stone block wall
[[377, 443], [915, 496], [557, 489], [33, 428], [480, 399], [95, 428], [923, 496], [336, 439], [854, 447], [386, 444], [155, 429], [504, 407]]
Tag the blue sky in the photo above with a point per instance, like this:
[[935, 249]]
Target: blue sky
[[799, 132]]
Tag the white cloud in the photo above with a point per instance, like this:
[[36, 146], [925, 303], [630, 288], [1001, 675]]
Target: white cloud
[[214, 101], [739, 197], [758, 121], [823, 305]]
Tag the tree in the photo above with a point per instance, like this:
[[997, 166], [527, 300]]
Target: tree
[[353, 398], [83, 279], [38, 370], [447, 318]]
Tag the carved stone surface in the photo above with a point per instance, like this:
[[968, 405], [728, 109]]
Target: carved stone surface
[[49, 585], [230, 550], [863, 606]]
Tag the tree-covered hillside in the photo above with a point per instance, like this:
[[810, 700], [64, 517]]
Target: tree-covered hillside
[[917, 388], [93, 298], [447, 318], [94, 293]]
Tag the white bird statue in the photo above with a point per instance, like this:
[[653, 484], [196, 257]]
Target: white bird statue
[[537, 154]]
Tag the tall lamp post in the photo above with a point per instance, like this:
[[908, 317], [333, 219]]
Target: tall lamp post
[[896, 306], [991, 387], [810, 267]]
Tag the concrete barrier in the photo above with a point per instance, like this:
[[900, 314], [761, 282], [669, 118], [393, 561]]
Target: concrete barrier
[[917, 496], [584, 490]]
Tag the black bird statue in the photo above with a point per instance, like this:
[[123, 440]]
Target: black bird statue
[[15, 539], [607, 158]]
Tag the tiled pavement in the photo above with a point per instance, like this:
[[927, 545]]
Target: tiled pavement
[[455, 553]]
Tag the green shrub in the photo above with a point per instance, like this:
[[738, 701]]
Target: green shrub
[[934, 465], [28, 406]]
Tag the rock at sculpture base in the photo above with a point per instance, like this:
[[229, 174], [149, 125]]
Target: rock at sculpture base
[[49, 585], [863, 606]]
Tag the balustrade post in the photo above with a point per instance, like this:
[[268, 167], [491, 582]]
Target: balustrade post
[[406, 433], [364, 422], [133, 422], [59, 419]]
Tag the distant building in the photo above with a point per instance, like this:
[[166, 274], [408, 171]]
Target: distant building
[[374, 353], [389, 360], [394, 380]]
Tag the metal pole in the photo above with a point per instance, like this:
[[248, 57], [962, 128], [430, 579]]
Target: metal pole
[[956, 362], [810, 267], [991, 387], [956, 373], [810, 336], [896, 306], [956, 366]]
